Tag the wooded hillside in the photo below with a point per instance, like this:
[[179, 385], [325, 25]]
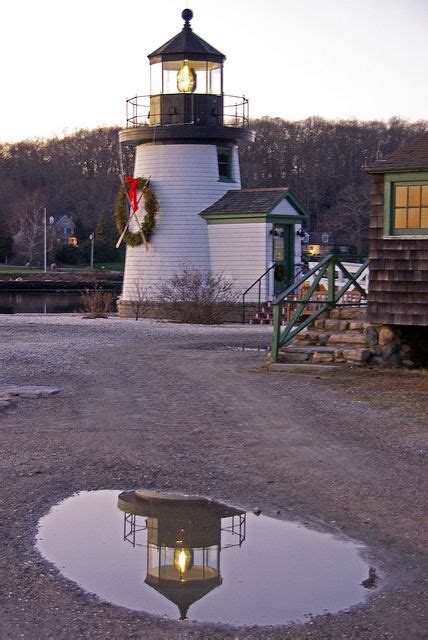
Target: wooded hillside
[[319, 160]]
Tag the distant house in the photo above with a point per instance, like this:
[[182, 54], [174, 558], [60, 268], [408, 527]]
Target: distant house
[[65, 230]]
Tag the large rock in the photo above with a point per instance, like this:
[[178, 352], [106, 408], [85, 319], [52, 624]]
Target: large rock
[[356, 355], [319, 357], [331, 324], [386, 335], [352, 314], [371, 336], [347, 338], [28, 391]]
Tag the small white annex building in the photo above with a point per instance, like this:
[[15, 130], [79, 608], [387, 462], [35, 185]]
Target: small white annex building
[[186, 140], [254, 233]]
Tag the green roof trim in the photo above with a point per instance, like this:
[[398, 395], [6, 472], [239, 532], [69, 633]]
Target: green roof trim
[[234, 218], [297, 205]]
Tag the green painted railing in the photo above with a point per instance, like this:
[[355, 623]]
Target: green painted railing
[[326, 268]]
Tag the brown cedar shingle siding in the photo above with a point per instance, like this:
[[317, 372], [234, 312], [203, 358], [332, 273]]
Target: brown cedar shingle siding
[[398, 289]]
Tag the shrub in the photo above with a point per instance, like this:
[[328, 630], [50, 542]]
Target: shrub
[[97, 303], [68, 254], [140, 303], [196, 296]]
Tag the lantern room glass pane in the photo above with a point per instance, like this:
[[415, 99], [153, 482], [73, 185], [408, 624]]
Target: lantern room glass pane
[[414, 196], [170, 70], [400, 196], [156, 78], [153, 560], [213, 557], [214, 80], [424, 217], [198, 557], [425, 195]]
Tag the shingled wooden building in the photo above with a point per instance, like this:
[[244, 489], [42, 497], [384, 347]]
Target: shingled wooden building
[[398, 291]]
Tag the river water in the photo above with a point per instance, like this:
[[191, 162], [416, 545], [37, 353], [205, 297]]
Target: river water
[[62, 301]]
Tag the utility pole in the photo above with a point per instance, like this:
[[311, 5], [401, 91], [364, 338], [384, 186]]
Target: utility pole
[[92, 239], [45, 243]]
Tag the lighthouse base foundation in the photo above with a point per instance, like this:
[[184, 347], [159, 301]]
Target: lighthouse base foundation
[[183, 313]]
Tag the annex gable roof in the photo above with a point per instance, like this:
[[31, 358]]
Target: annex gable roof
[[254, 202], [410, 156]]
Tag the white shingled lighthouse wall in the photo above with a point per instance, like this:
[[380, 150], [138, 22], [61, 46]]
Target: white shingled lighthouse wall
[[185, 178]]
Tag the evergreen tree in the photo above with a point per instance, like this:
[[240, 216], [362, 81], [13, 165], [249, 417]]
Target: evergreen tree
[[105, 240], [6, 241], [80, 232]]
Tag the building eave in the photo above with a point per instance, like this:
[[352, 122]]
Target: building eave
[[264, 218]]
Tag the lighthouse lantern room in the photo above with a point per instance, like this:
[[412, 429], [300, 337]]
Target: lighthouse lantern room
[[186, 135]]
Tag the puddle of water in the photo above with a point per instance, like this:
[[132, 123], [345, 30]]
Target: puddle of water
[[199, 559]]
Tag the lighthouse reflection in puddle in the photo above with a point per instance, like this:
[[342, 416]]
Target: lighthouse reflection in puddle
[[184, 541]]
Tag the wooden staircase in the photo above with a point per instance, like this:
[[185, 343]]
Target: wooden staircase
[[264, 316], [348, 298]]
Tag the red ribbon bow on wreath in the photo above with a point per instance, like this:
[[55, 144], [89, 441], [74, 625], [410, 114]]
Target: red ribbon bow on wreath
[[132, 191]]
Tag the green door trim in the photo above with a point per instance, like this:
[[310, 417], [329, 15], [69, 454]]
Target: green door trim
[[288, 263]]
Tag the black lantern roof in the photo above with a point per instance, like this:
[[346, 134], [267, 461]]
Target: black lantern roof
[[186, 44], [183, 594]]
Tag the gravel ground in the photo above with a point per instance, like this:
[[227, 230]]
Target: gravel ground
[[165, 406]]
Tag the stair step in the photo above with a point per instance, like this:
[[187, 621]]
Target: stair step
[[282, 367], [309, 349]]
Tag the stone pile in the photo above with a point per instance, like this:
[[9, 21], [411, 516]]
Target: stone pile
[[343, 335]]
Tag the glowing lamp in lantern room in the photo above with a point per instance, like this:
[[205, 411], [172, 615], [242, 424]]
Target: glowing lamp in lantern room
[[186, 79], [183, 559]]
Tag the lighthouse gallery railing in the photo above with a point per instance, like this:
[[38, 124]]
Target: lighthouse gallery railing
[[235, 112]]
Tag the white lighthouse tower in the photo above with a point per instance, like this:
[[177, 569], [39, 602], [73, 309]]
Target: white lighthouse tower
[[186, 134]]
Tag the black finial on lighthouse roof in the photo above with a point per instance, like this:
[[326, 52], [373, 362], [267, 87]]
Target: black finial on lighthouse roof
[[187, 15], [186, 44]]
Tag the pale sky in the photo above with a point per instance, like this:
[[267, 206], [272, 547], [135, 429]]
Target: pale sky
[[68, 65]]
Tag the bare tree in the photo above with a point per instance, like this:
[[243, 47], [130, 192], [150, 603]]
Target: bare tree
[[349, 218], [28, 223]]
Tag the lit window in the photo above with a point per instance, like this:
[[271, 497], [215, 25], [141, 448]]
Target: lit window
[[410, 207], [406, 205]]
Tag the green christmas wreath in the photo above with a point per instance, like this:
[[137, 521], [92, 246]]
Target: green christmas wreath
[[151, 205]]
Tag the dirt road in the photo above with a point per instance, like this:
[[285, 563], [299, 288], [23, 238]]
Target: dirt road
[[169, 407]]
